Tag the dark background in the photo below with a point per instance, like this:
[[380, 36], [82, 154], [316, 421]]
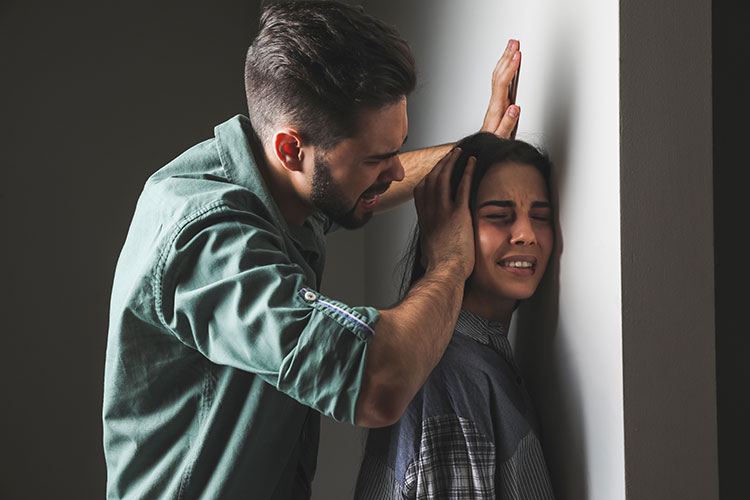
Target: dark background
[[95, 97], [731, 112]]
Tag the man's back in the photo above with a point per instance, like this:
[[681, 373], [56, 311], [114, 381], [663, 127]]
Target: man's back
[[197, 346]]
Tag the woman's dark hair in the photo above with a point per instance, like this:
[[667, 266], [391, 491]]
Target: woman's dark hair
[[489, 150], [320, 64]]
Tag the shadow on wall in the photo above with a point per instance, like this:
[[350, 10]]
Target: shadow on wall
[[540, 347]]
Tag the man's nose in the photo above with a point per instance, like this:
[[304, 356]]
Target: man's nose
[[393, 172], [522, 232]]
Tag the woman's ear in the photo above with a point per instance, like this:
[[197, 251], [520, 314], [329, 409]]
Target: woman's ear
[[287, 147]]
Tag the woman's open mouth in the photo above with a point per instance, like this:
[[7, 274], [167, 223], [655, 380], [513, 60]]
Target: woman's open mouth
[[519, 265]]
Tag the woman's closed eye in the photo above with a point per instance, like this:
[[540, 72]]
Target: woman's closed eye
[[498, 216], [542, 216]]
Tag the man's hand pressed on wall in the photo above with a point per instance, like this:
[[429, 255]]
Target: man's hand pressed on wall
[[501, 119], [502, 115]]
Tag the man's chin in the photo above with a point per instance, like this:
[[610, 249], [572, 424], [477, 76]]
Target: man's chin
[[352, 220]]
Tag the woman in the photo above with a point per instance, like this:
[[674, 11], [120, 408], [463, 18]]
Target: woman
[[471, 432]]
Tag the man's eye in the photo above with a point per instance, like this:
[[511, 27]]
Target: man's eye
[[542, 218], [497, 216]]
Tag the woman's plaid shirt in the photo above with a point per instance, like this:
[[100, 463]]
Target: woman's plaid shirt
[[470, 433]]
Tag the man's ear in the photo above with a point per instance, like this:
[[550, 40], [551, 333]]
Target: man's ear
[[287, 146]]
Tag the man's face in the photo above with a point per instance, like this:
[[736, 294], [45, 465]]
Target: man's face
[[349, 179]]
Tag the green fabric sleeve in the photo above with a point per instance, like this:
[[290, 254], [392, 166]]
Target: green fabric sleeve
[[228, 288]]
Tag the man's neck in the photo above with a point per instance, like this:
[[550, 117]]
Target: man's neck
[[293, 208]]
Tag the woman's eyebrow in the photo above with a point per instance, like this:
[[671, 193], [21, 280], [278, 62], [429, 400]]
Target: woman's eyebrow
[[512, 204], [499, 203]]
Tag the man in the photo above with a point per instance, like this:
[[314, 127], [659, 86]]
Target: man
[[221, 351]]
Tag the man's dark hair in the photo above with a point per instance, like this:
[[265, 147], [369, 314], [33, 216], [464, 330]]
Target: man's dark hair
[[489, 150], [318, 65]]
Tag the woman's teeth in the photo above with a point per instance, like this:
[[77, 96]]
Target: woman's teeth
[[517, 263]]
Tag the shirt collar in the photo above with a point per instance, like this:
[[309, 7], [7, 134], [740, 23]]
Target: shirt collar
[[490, 333], [233, 144]]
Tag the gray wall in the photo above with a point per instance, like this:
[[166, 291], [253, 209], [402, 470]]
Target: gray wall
[[667, 250]]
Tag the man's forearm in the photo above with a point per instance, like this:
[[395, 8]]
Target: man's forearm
[[409, 341], [416, 164]]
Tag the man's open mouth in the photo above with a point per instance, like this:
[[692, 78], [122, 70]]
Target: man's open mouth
[[371, 197]]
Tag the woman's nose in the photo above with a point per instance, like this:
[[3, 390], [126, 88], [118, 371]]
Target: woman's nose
[[522, 233]]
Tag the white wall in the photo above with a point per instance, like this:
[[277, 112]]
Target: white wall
[[568, 339], [617, 345]]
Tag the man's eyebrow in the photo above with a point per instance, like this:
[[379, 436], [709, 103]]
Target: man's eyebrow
[[385, 156]]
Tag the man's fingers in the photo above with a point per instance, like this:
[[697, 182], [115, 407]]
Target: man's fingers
[[509, 123], [430, 178], [443, 180], [445, 163], [419, 196], [508, 62], [501, 78], [507, 56], [464, 187], [446, 170], [430, 190], [504, 73]]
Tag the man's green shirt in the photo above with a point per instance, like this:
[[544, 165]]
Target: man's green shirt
[[221, 351]]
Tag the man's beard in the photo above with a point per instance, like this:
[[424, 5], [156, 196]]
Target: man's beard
[[329, 198]]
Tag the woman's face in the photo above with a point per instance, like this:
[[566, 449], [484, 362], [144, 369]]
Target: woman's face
[[513, 234]]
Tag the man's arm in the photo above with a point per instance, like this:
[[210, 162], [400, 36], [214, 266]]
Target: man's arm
[[501, 119], [410, 338]]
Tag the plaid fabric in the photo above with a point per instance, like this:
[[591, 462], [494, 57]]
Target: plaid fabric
[[524, 476], [469, 433], [454, 461]]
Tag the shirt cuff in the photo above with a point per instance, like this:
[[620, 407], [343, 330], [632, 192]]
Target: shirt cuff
[[326, 368]]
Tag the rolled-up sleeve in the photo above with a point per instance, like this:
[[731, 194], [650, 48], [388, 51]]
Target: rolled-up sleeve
[[228, 288]]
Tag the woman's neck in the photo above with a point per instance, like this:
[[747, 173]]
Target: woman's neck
[[490, 308]]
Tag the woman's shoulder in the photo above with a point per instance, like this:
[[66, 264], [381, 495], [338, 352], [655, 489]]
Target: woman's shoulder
[[469, 381], [466, 361]]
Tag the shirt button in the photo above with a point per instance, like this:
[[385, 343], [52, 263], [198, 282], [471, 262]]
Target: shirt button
[[310, 297]]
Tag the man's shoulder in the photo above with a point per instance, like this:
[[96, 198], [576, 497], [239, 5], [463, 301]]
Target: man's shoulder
[[200, 180]]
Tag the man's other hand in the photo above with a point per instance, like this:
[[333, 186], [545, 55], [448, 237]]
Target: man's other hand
[[502, 114], [445, 226]]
